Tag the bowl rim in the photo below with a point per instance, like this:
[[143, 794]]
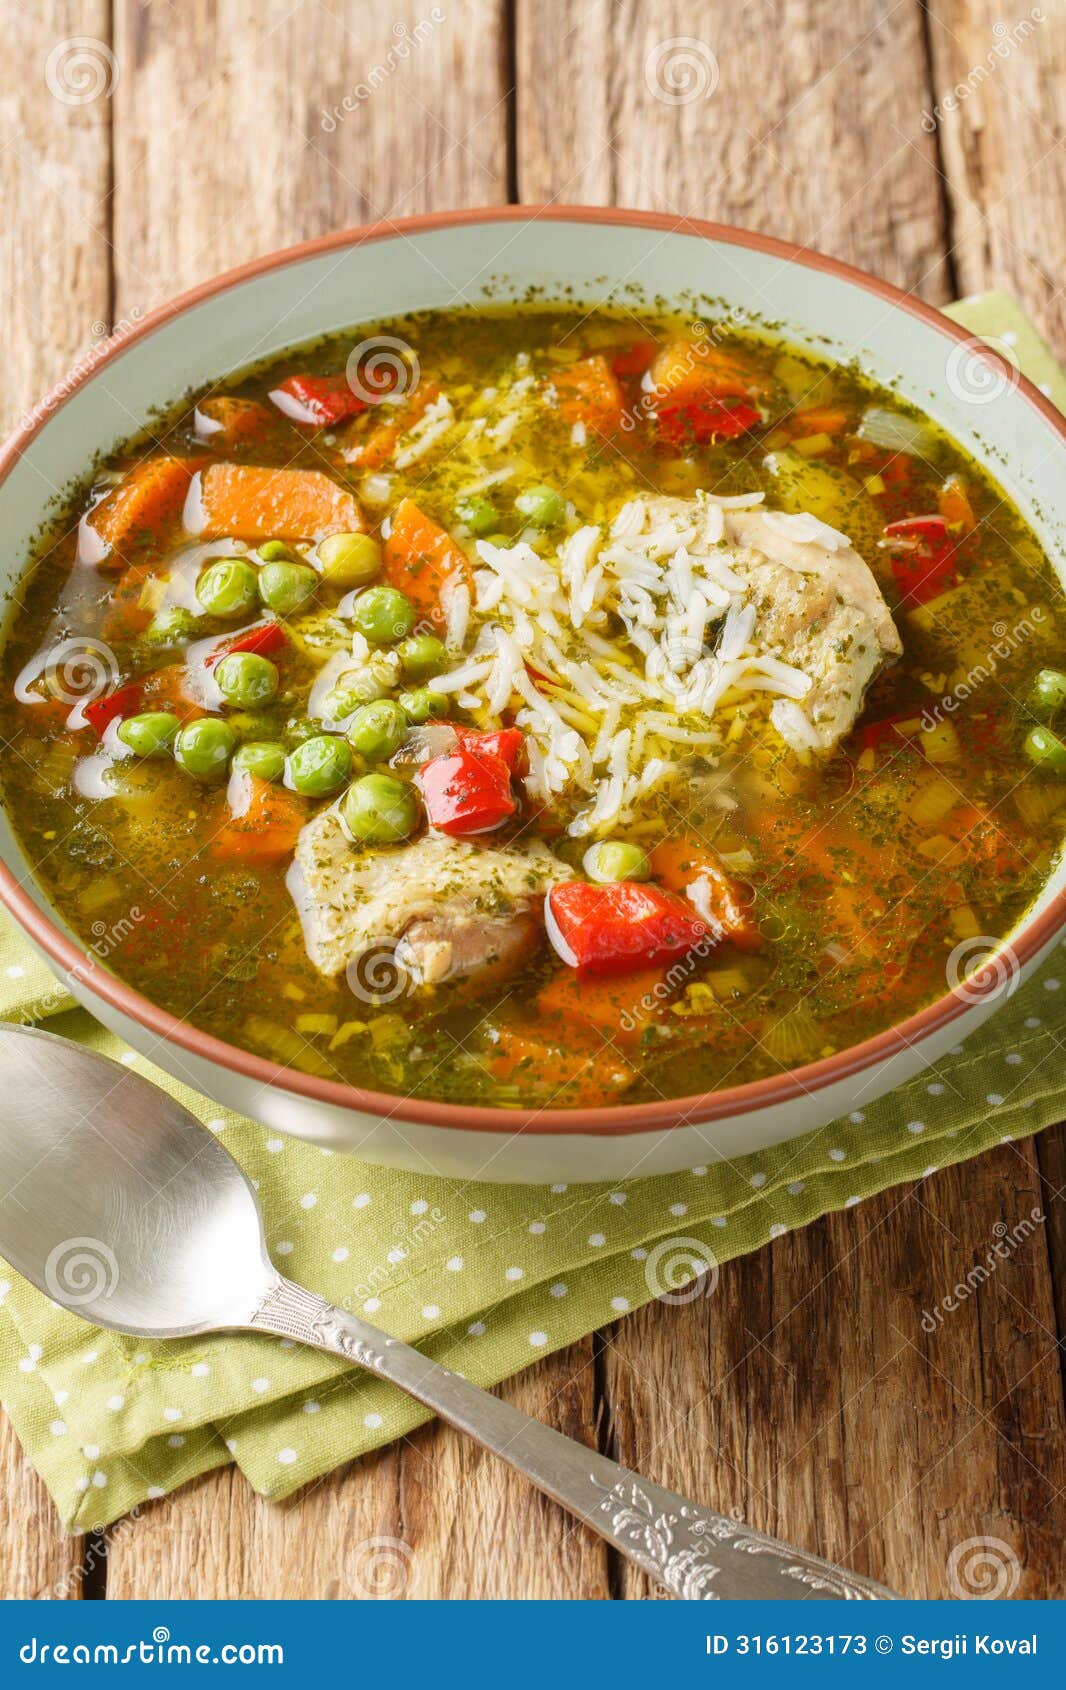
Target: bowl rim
[[610, 1120]]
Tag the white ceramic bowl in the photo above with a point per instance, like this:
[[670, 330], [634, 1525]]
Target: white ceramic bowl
[[589, 256]]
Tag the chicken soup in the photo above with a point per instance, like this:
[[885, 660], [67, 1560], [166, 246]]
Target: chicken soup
[[539, 708]]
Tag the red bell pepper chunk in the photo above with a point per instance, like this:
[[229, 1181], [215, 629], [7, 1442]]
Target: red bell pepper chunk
[[467, 792], [632, 360], [101, 712], [317, 401], [505, 743], [620, 928], [924, 562], [699, 424], [263, 639], [874, 734]]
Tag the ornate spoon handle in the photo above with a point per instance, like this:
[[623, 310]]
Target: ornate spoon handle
[[691, 1551]]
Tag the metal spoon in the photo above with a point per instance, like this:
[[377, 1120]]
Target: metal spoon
[[122, 1208]]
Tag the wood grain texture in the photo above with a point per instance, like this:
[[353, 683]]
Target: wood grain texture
[[812, 1400], [428, 1517], [37, 1559], [785, 118], [999, 98]]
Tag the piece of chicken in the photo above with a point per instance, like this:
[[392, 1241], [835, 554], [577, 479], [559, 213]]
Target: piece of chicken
[[443, 908], [817, 606]]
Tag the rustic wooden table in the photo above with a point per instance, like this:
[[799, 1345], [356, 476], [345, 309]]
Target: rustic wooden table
[[805, 1394]]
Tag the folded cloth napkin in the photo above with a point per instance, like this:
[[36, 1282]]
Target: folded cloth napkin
[[483, 1277]]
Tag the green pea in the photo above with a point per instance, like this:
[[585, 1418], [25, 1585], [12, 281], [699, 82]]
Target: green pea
[[1047, 696], [383, 615], [480, 515], [263, 758], [349, 560], [246, 679], [614, 859], [286, 586], [320, 765], [1046, 750], [150, 734], [172, 626], [379, 810], [377, 729], [422, 655], [541, 506], [276, 551], [203, 748], [422, 703], [228, 587]]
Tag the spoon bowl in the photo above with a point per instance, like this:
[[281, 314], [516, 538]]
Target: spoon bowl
[[117, 1203]]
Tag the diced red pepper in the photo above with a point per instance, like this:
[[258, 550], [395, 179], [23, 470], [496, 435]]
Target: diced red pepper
[[632, 360], [700, 424], [317, 401], [620, 928], [924, 561], [125, 701], [263, 639], [505, 743], [467, 792]]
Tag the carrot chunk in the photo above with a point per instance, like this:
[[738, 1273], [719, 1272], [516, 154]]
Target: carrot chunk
[[420, 559], [146, 502], [683, 863], [619, 1009], [243, 502], [378, 446], [265, 828], [690, 370], [589, 393], [223, 421], [581, 1069]]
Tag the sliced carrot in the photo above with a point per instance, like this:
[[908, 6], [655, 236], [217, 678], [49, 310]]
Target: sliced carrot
[[265, 830], [243, 502], [421, 559], [818, 419], [589, 393], [127, 613], [168, 689], [576, 1065], [618, 1008], [234, 422], [379, 445], [633, 358], [690, 370], [682, 862], [141, 507], [955, 507]]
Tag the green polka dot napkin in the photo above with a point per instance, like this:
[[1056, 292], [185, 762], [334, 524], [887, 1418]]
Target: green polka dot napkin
[[484, 1277]]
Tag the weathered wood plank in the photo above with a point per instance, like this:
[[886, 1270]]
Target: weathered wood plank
[[54, 174], [787, 119], [999, 84], [813, 1401], [228, 144], [430, 1517]]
